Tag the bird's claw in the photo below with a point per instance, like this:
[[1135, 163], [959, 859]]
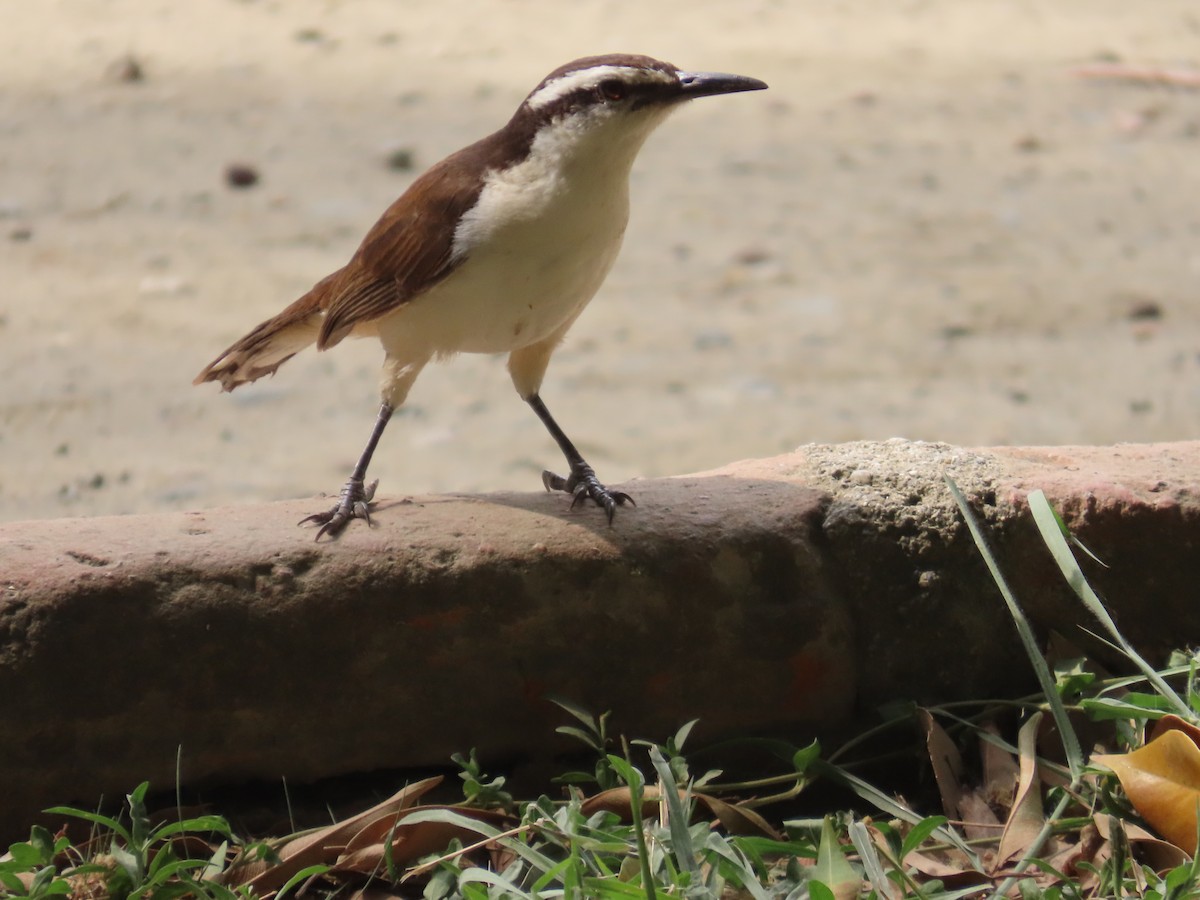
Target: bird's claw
[[583, 485], [354, 502]]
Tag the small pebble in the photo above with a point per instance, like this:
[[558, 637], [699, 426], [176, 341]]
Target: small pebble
[[127, 69], [240, 175], [1144, 310], [1029, 143], [401, 160]]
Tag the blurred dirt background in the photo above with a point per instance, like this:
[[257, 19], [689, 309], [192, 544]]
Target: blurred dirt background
[[932, 226]]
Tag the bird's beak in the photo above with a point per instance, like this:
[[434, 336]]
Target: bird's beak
[[706, 84]]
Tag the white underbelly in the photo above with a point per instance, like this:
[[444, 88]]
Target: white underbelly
[[521, 287], [534, 248]]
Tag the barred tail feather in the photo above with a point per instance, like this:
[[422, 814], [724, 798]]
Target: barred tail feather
[[275, 341], [261, 352]]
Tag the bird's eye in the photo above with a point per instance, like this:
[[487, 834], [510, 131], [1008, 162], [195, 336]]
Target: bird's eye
[[612, 89]]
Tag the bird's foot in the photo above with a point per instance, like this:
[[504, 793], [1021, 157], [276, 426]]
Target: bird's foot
[[583, 484], [353, 503]]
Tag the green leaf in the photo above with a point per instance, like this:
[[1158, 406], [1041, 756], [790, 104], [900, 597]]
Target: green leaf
[[95, 818], [587, 737], [1072, 678], [569, 706], [860, 837], [681, 839], [1130, 706], [558, 872], [737, 867], [682, 734], [43, 841], [46, 883], [574, 778], [199, 825], [300, 877], [14, 884], [918, 833], [26, 856], [483, 876], [131, 864], [832, 870], [805, 756], [628, 773]]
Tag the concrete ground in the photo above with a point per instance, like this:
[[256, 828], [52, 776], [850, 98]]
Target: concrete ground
[[931, 226]]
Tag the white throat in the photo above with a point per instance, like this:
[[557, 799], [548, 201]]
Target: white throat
[[576, 175]]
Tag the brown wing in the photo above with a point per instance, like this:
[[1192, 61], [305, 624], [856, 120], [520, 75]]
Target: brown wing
[[406, 252]]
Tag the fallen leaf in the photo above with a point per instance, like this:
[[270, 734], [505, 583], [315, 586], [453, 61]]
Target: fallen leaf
[[324, 845], [1068, 858], [734, 819], [1172, 722], [737, 819], [1001, 772], [950, 865], [978, 820], [1162, 781], [1162, 856], [946, 762], [1026, 818], [367, 852], [832, 870]]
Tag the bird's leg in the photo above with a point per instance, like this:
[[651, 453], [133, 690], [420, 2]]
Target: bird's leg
[[355, 499], [582, 481]]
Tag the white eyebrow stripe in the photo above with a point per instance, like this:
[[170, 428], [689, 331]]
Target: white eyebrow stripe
[[590, 77]]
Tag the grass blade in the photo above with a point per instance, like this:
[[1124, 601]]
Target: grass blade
[[1070, 740], [861, 839], [681, 839], [1051, 528], [634, 779], [887, 804]]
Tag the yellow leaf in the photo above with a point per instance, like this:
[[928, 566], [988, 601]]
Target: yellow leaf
[[1162, 781]]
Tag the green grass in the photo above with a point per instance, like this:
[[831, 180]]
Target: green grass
[[641, 822]]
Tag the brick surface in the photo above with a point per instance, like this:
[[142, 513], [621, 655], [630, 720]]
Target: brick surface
[[790, 595]]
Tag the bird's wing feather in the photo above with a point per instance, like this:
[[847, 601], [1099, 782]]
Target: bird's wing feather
[[406, 252]]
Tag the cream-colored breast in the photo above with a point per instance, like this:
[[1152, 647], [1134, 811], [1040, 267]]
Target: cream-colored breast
[[535, 249]]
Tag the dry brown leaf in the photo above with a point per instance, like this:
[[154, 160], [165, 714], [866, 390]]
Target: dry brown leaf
[[1171, 722], [411, 842], [978, 820], [737, 819], [1162, 781], [946, 762], [1066, 859], [1160, 855], [323, 845], [619, 801], [950, 865], [1025, 819], [734, 819], [1001, 772]]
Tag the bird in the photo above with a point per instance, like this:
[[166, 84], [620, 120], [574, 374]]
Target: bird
[[496, 249]]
